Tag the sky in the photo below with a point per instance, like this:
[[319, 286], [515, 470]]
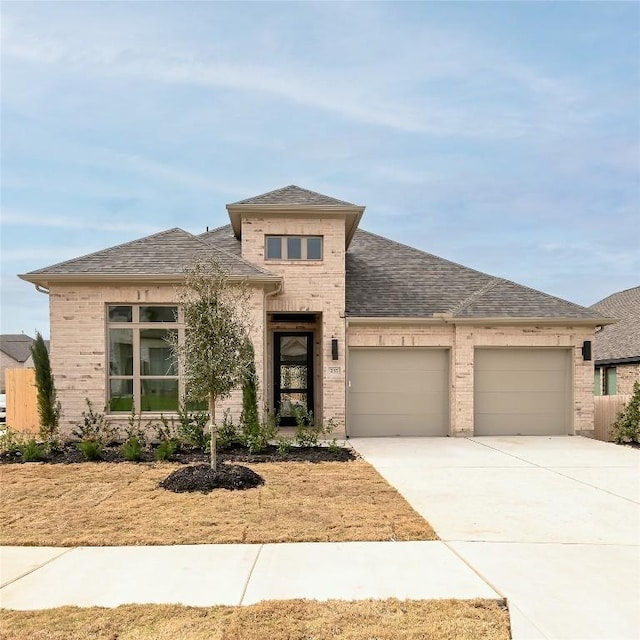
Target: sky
[[503, 136]]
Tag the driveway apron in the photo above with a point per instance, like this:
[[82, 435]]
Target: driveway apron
[[553, 523]]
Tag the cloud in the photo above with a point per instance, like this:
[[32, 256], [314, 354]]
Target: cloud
[[14, 218]]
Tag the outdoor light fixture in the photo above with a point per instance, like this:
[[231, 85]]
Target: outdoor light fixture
[[334, 348], [586, 350]]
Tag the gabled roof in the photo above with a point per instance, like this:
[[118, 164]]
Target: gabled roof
[[16, 346], [294, 195], [620, 341], [389, 279], [162, 256]]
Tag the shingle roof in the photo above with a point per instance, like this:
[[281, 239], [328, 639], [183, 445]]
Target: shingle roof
[[294, 195], [389, 279], [621, 340], [163, 254], [16, 346]]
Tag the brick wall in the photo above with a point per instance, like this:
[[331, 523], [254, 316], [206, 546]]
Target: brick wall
[[79, 349], [310, 287]]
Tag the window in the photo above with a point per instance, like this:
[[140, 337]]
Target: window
[[597, 383], [293, 248], [610, 381], [143, 374]]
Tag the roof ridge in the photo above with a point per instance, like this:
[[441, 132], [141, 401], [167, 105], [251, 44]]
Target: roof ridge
[[109, 249], [251, 199], [469, 300]]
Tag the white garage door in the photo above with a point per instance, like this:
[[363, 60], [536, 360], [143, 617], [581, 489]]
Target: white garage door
[[522, 392], [398, 392]]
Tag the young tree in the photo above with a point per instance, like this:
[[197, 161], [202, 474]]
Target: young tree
[[250, 417], [48, 407], [212, 356]]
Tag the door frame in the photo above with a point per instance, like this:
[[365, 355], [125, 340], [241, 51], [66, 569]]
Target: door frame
[[287, 421]]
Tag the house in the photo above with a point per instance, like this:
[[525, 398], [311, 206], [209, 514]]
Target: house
[[617, 346], [380, 337], [15, 351]]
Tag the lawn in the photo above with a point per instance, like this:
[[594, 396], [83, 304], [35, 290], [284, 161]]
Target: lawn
[[288, 620], [106, 504]]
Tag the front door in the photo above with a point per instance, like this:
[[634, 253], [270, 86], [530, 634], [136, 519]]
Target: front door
[[293, 374]]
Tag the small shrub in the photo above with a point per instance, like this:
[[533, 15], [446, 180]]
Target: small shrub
[[10, 440], [136, 430], [165, 450], [284, 444], [132, 449], [168, 430], [32, 451], [257, 437], [90, 449], [228, 433], [626, 428], [334, 447], [192, 428], [95, 426], [307, 432]]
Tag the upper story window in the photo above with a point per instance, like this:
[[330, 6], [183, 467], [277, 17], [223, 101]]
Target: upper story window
[[293, 248]]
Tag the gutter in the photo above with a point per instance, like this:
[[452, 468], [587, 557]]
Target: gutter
[[448, 318]]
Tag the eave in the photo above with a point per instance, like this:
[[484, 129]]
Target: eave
[[351, 214], [444, 318]]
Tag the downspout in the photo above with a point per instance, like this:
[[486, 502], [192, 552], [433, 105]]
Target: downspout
[[40, 289]]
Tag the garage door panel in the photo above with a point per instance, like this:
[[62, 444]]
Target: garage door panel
[[400, 381], [520, 391], [521, 381], [399, 391], [519, 424]]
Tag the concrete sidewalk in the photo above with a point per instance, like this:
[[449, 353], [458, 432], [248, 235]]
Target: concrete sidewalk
[[552, 523], [205, 575]]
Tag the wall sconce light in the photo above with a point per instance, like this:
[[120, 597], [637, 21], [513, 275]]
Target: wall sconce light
[[586, 350], [334, 348]]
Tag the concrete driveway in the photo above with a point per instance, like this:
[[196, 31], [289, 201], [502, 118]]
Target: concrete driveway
[[553, 523]]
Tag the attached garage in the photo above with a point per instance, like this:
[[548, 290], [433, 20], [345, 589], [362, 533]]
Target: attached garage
[[524, 391], [398, 392]]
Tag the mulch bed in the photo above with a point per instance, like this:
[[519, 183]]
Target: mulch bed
[[201, 477], [68, 453]]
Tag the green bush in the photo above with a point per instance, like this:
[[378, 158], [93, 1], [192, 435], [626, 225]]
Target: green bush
[[95, 426], [256, 437], [165, 450], [132, 449], [32, 451], [10, 440], [91, 449], [626, 428], [284, 444], [192, 428], [228, 433]]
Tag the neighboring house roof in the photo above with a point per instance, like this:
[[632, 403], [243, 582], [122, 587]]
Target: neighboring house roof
[[165, 254], [294, 195], [388, 279], [16, 346], [620, 341]]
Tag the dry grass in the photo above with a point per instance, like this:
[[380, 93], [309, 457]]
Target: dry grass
[[121, 504], [286, 620]]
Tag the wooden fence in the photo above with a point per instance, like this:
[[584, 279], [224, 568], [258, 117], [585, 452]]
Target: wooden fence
[[22, 400], [607, 409]]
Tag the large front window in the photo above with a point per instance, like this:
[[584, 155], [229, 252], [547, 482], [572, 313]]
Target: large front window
[[143, 374]]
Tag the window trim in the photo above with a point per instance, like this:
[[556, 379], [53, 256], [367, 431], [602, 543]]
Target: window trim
[[136, 326], [284, 248]]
